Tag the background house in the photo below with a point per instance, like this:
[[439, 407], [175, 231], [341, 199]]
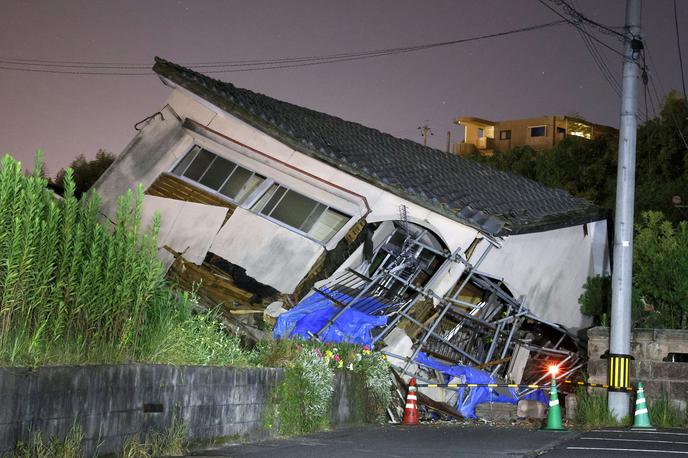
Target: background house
[[542, 133]]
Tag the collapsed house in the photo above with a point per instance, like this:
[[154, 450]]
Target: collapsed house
[[262, 200]]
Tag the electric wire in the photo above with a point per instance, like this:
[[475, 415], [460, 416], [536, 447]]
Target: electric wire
[[600, 63], [579, 17], [652, 77], [47, 66], [680, 58], [577, 26]]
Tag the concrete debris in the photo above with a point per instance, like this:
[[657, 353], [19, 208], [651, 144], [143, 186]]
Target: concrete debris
[[531, 409]]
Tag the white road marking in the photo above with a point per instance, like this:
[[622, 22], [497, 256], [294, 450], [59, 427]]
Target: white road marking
[[637, 431], [675, 452], [633, 440]]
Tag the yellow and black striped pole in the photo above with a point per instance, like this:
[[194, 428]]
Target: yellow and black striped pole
[[619, 371]]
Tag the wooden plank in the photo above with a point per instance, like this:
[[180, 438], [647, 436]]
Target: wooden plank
[[172, 187], [427, 401]]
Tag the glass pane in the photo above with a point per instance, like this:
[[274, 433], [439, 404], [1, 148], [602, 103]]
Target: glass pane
[[273, 201], [217, 173], [329, 223], [236, 182], [539, 131], [250, 185], [199, 164], [294, 209], [315, 214], [258, 206], [184, 163]]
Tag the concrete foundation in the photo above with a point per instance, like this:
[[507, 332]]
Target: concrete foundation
[[652, 350]]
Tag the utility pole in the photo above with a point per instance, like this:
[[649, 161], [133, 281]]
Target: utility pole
[[449, 141], [425, 131], [620, 327]]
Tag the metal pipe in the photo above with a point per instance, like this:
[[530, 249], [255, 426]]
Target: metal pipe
[[446, 307]]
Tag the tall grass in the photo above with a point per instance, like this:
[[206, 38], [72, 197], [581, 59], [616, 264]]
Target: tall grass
[[663, 414], [72, 291], [38, 447], [592, 410]]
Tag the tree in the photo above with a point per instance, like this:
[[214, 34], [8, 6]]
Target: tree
[[662, 159], [86, 172], [660, 265], [660, 283], [587, 168]]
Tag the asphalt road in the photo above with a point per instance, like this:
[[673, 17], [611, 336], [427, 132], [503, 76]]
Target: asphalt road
[[622, 442], [427, 440]]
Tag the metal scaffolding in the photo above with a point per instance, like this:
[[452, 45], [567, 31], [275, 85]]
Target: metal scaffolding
[[495, 332]]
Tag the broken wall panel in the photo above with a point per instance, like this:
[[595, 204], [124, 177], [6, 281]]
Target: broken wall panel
[[186, 227], [270, 253]]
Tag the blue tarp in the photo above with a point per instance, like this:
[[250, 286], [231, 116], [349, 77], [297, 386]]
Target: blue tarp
[[313, 312], [466, 404], [354, 326]]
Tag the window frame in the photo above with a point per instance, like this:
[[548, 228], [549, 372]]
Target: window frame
[[249, 206], [214, 192], [505, 134], [530, 131], [256, 194]]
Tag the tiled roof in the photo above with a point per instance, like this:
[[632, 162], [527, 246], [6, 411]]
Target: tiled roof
[[493, 201]]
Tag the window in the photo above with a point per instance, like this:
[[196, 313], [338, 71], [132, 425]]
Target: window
[[276, 202], [300, 212], [218, 174], [580, 129], [538, 131], [481, 132], [505, 135]]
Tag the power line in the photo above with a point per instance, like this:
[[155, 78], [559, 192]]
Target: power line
[[86, 68], [600, 62], [579, 17], [680, 58], [646, 52], [577, 26]]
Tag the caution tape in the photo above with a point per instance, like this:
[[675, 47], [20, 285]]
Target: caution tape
[[512, 385]]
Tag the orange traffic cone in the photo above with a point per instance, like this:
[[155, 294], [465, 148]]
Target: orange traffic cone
[[411, 410]]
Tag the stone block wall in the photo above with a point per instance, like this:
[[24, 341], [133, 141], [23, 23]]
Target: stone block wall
[[114, 402], [649, 347]]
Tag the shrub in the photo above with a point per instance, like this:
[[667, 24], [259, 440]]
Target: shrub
[[302, 401], [660, 287], [660, 264]]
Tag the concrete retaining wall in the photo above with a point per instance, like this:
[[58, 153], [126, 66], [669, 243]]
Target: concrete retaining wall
[[649, 347], [114, 402]]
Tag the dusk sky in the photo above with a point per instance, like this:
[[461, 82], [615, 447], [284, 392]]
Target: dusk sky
[[542, 72]]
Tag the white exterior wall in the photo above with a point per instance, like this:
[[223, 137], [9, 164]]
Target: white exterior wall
[[550, 268]]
